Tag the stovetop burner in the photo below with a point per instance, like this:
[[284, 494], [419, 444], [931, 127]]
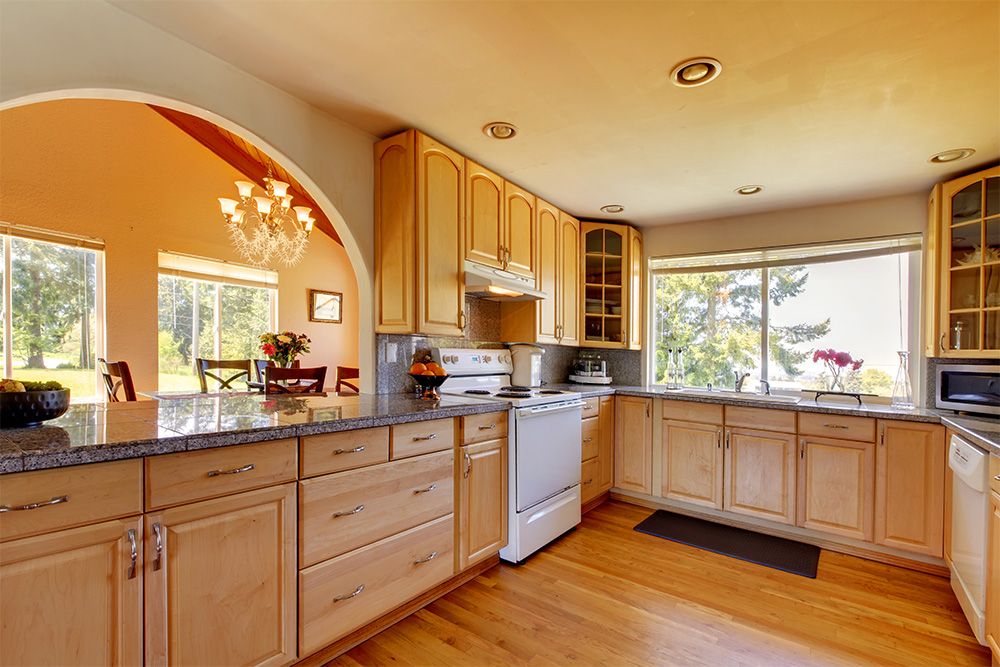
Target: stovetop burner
[[478, 392], [551, 391], [517, 389], [513, 394]]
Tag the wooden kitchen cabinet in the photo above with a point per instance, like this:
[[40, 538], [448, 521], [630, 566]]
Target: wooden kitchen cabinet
[[636, 327], [484, 216], [612, 285], [606, 455], [569, 280], [692, 463], [597, 470], [911, 464], [419, 236], [962, 285], [482, 523], [73, 597], [520, 230], [760, 474], [634, 443], [836, 486], [220, 581]]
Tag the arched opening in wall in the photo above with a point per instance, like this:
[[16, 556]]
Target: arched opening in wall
[[114, 246]]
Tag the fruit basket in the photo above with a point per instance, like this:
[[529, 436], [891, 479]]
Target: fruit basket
[[31, 403], [428, 377]]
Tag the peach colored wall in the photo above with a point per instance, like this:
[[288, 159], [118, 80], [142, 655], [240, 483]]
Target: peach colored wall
[[884, 216], [120, 172]]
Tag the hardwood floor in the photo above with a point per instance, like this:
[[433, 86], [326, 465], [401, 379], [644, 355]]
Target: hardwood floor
[[605, 594]]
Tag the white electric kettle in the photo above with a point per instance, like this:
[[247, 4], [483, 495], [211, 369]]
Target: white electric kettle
[[527, 360]]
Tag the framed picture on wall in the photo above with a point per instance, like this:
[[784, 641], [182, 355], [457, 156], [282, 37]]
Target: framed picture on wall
[[325, 306]]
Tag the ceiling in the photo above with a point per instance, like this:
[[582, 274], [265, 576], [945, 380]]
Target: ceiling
[[817, 101]]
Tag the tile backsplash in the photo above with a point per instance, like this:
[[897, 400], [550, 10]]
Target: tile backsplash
[[483, 331]]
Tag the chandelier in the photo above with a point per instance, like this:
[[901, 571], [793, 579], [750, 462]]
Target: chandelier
[[263, 229]]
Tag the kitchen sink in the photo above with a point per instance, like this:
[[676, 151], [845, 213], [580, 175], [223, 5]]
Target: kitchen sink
[[741, 395]]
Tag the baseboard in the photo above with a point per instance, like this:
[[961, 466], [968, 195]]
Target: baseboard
[[926, 564], [595, 502], [346, 643]]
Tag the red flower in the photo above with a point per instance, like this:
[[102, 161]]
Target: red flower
[[842, 359], [267, 349], [857, 364]]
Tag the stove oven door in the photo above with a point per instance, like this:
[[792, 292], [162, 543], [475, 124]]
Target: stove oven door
[[547, 451]]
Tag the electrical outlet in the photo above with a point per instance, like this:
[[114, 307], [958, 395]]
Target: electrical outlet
[[391, 352]]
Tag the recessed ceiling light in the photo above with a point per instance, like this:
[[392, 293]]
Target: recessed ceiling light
[[749, 189], [695, 72], [499, 130], [613, 208], [952, 155]]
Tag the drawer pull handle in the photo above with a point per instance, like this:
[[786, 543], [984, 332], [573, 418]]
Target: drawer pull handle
[[488, 428], [133, 553], [430, 488], [55, 500], [420, 438], [356, 593], [468, 466], [356, 510], [996, 478], [158, 561], [235, 471], [426, 559], [834, 426], [589, 480], [588, 439], [356, 450]]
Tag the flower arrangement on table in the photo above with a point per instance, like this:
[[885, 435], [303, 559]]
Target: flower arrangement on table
[[836, 362], [283, 347]]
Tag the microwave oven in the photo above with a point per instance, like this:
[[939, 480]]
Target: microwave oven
[[968, 388]]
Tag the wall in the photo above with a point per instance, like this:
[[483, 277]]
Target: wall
[[90, 49], [120, 172]]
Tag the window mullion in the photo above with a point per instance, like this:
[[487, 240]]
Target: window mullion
[[218, 320], [8, 337], [765, 300]]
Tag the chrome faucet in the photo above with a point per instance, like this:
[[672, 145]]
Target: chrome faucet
[[740, 379], [766, 386]]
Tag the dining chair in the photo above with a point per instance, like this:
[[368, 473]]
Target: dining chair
[[345, 373], [273, 376], [260, 364], [117, 376], [206, 366]]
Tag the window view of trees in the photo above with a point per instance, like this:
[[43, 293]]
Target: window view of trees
[[190, 325], [53, 316]]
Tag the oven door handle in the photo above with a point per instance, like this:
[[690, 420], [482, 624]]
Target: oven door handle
[[527, 413]]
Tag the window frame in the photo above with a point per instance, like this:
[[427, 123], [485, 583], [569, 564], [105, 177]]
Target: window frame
[[911, 245]]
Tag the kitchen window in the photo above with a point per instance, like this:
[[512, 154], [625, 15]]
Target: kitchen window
[[212, 310], [765, 312], [52, 309]]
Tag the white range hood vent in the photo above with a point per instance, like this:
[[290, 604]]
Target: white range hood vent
[[486, 282]]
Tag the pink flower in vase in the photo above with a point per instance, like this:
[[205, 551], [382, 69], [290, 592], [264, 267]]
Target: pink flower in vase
[[842, 359]]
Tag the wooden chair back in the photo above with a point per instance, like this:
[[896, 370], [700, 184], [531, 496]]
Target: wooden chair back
[[206, 366], [345, 373], [273, 376], [260, 364], [117, 376]]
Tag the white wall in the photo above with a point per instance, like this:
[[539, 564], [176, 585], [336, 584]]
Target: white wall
[[89, 49]]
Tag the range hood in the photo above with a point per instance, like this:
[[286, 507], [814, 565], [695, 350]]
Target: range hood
[[486, 282]]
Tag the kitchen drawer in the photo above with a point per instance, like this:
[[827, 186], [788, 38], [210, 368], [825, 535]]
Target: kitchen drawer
[[760, 419], [46, 500], [342, 594], [590, 484], [372, 503], [478, 428], [423, 437], [333, 452], [591, 406], [837, 426], [691, 411], [173, 479], [591, 438], [995, 472]]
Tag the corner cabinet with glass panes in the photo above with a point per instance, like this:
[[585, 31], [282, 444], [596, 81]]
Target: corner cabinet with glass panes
[[962, 291], [612, 311]]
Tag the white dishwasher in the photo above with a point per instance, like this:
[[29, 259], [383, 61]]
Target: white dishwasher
[[970, 504]]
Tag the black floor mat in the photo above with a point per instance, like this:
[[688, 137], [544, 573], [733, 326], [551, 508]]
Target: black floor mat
[[776, 552]]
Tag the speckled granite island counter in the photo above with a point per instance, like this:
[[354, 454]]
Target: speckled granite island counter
[[94, 432]]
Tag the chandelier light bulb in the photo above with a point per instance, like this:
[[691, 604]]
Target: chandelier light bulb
[[263, 205], [280, 188], [245, 188], [309, 224], [228, 206], [302, 212], [286, 202]]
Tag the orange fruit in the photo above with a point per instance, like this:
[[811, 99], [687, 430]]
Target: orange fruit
[[418, 368], [440, 371], [428, 372], [432, 366]]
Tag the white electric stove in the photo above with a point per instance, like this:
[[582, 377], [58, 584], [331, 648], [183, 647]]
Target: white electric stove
[[543, 446]]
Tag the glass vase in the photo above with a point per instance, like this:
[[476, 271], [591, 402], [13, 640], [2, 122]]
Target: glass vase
[[902, 392]]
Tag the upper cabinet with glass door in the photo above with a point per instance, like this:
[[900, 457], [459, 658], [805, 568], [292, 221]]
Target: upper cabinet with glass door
[[968, 298], [609, 286]]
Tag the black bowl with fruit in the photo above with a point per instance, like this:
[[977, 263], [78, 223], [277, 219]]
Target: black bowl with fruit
[[31, 403]]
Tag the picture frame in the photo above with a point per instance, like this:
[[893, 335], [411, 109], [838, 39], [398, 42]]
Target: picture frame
[[325, 306]]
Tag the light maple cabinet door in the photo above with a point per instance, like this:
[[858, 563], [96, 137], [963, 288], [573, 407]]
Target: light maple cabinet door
[[440, 223], [521, 229], [635, 328], [395, 272], [73, 597], [606, 450], [547, 277], [836, 480], [993, 578], [569, 280], [634, 444], [760, 474], [911, 464], [484, 216], [482, 527], [220, 581], [692, 463]]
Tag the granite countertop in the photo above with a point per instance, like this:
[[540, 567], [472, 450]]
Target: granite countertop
[[94, 432]]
